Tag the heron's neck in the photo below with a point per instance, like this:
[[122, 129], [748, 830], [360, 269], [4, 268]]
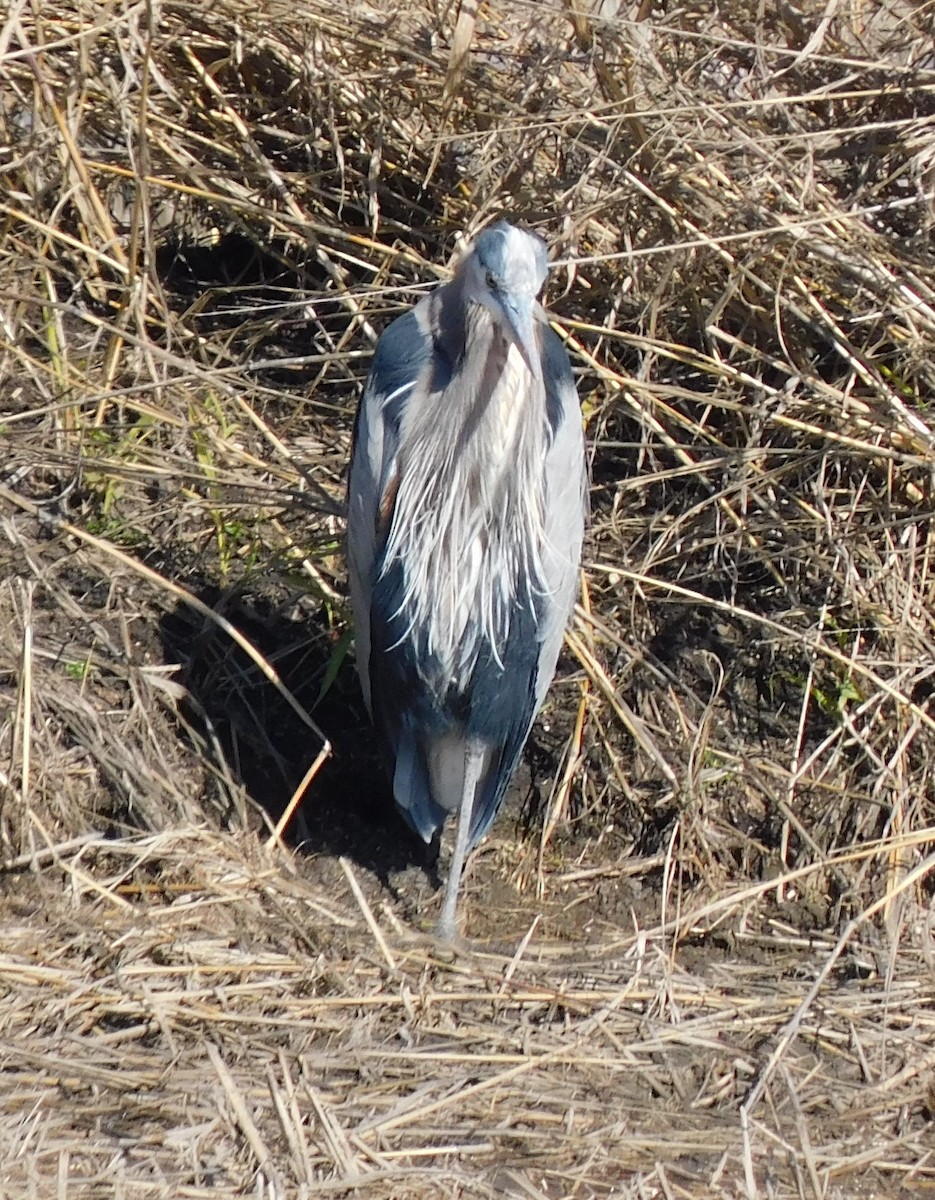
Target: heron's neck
[[468, 523], [503, 395]]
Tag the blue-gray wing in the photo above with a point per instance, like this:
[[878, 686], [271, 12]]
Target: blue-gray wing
[[401, 358], [407, 358], [566, 505]]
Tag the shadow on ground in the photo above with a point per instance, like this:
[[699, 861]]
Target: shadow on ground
[[256, 739]]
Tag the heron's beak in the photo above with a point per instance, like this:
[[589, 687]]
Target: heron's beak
[[519, 316]]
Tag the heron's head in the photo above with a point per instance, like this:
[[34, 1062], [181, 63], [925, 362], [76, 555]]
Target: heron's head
[[505, 272]]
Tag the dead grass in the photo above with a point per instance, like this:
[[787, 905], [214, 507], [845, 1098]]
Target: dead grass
[[718, 968]]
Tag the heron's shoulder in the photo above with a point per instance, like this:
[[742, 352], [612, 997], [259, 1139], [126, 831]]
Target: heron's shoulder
[[412, 347], [402, 350], [556, 360], [560, 392]]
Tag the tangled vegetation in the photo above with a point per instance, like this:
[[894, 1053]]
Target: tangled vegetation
[[705, 962]]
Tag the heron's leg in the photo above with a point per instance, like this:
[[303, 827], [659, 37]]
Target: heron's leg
[[447, 927]]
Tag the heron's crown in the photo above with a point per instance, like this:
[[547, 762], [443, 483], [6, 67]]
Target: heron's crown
[[515, 258]]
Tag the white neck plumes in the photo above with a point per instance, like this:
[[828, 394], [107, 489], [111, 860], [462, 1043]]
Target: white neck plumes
[[468, 517]]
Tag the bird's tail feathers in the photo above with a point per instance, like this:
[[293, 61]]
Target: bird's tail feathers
[[491, 790], [429, 779], [413, 788]]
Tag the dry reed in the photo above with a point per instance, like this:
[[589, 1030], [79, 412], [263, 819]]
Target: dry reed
[[705, 963]]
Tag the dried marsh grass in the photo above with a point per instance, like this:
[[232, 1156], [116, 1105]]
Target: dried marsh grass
[[718, 968]]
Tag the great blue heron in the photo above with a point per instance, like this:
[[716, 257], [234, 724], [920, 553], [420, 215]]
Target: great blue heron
[[466, 507]]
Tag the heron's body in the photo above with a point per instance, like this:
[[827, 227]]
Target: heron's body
[[466, 514]]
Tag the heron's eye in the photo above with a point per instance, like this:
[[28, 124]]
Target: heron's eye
[[491, 281]]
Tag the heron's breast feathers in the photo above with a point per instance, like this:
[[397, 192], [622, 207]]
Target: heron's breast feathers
[[465, 523]]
